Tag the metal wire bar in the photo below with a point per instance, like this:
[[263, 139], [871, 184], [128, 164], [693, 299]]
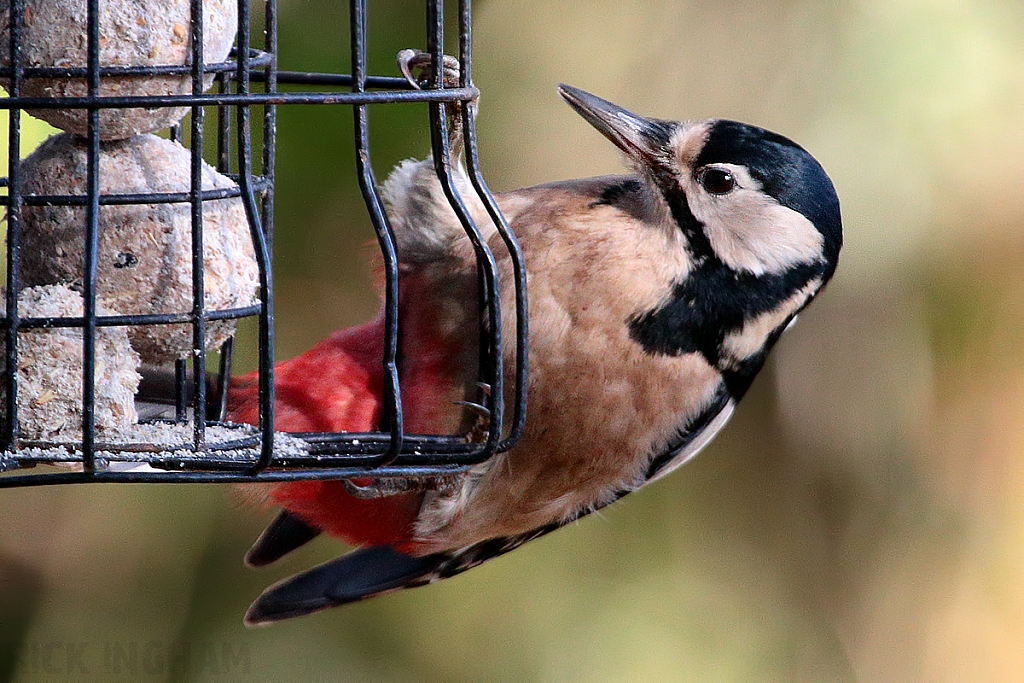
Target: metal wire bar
[[241, 99], [270, 77], [426, 452], [223, 377], [258, 59], [391, 419], [224, 129], [350, 449], [92, 234], [13, 319], [511, 243], [198, 253], [261, 247], [260, 184], [52, 478], [132, 320], [340, 80], [180, 390], [491, 363]]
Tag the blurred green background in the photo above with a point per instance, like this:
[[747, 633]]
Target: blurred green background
[[862, 518]]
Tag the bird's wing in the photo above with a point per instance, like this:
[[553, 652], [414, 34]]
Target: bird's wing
[[369, 572], [693, 436], [373, 571], [286, 533], [360, 574]]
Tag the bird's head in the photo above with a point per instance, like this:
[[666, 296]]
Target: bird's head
[[762, 226], [753, 199]]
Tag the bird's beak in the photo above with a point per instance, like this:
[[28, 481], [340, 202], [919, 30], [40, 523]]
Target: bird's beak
[[645, 140]]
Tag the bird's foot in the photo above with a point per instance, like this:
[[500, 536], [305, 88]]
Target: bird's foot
[[417, 67], [482, 424], [380, 487]]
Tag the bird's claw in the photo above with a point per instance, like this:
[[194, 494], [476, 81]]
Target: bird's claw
[[377, 488], [417, 67], [476, 408], [380, 487], [482, 424]]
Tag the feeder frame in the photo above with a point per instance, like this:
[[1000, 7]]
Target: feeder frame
[[255, 457]]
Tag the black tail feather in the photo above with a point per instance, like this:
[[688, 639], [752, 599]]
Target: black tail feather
[[283, 535], [369, 572], [360, 574]]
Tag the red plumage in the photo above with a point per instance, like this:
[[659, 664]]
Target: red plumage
[[337, 386], [334, 387]]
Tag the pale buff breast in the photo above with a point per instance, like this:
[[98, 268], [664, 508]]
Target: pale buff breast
[[599, 404]]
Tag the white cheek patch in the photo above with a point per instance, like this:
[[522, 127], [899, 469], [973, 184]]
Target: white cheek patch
[[751, 338], [749, 230]]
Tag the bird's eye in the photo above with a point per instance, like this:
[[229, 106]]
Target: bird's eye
[[717, 181]]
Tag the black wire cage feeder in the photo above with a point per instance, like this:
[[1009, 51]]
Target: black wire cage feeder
[[64, 351]]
